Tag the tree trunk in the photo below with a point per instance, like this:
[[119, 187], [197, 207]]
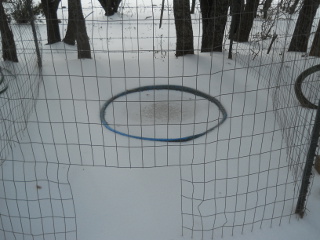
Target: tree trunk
[[293, 7], [235, 10], [246, 21], [116, 5], [214, 19], [110, 6], [9, 52], [50, 11], [80, 30], [266, 6], [182, 20], [70, 37], [315, 48], [301, 34]]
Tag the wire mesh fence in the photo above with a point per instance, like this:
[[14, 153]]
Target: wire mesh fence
[[19, 86], [243, 173]]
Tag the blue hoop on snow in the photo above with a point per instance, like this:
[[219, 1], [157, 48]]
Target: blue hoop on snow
[[164, 87]]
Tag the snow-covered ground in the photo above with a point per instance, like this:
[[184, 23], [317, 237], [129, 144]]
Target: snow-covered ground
[[71, 178]]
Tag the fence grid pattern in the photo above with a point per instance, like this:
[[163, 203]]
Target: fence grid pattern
[[242, 176]]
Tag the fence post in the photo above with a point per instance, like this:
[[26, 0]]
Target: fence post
[[307, 172], [34, 32]]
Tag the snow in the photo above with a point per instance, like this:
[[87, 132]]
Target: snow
[[85, 182]]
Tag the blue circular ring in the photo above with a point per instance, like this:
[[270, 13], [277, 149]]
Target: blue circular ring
[[164, 87]]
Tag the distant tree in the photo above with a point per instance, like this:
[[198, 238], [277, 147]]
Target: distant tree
[[301, 34], [288, 6], [50, 8], [246, 21], [182, 19], [315, 48], [214, 19], [284, 4], [293, 7], [110, 6], [80, 32], [266, 6], [9, 52]]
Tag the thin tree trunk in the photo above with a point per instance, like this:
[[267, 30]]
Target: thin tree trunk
[[266, 6], [50, 11], [236, 8], [70, 37], [315, 48], [301, 34], [246, 21], [81, 35], [182, 19], [9, 52], [214, 19]]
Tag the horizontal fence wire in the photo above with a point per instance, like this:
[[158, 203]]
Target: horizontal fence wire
[[59, 160]]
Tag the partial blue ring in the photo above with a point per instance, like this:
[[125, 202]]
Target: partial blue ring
[[164, 87]]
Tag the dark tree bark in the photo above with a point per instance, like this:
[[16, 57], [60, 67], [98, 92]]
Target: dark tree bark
[[293, 7], [80, 30], [246, 21], [214, 19], [236, 8], [110, 6], [315, 48], [301, 34], [266, 6], [182, 20], [50, 8], [9, 52], [70, 37]]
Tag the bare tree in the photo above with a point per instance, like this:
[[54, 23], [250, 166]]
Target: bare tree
[[214, 19], [182, 19], [266, 6], [315, 48], [80, 31], [9, 52], [50, 8], [246, 21], [301, 34], [293, 7]]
